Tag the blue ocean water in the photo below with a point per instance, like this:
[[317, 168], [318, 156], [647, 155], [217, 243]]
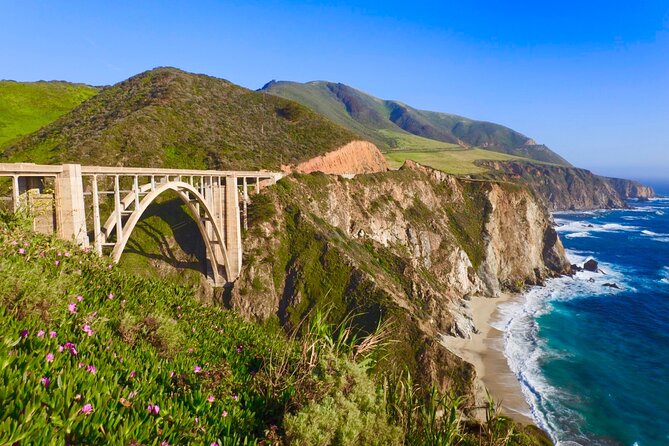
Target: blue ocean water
[[593, 361]]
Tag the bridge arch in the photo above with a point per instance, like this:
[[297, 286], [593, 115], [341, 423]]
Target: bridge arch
[[189, 195]]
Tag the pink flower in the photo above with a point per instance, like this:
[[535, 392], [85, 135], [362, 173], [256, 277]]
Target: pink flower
[[153, 409], [67, 254], [164, 443], [111, 296], [214, 444], [197, 369], [193, 329], [91, 369], [179, 315], [49, 357], [70, 346], [81, 364], [235, 397], [60, 349], [57, 262], [80, 298], [87, 329], [239, 349], [78, 397], [87, 409], [40, 334], [45, 381], [224, 414], [171, 374], [190, 350], [23, 333], [53, 334], [22, 251], [132, 374], [211, 398], [72, 307]]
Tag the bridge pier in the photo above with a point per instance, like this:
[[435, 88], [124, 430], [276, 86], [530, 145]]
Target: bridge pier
[[70, 207], [212, 196]]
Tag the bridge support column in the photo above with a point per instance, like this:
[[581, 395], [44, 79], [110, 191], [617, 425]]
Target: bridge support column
[[233, 233], [70, 208]]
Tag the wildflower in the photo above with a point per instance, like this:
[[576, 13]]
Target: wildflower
[[211, 398], [22, 251], [87, 329], [72, 307], [45, 381], [80, 298], [224, 414], [214, 443], [153, 409], [57, 262], [91, 369], [197, 369], [59, 254], [132, 374], [67, 254], [178, 307], [78, 397], [171, 374], [71, 347], [87, 409], [193, 329], [235, 397], [81, 364], [60, 349], [49, 357], [53, 334], [24, 333], [40, 334], [164, 443], [109, 267], [239, 349], [179, 315], [111, 296], [190, 350]]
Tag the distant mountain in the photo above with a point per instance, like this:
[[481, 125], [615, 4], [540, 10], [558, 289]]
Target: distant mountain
[[168, 117], [27, 106], [394, 125]]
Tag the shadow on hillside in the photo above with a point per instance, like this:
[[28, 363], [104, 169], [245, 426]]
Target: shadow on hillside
[[169, 234]]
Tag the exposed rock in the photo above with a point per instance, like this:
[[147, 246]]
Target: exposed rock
[[567, 188], [354, 158], [409, 246], [612, 285], [632, 189], [591, 265]]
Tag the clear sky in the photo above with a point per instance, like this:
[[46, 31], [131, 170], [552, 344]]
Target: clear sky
[[588, 78]]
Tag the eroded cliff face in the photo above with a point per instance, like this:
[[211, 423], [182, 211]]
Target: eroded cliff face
[[353, 158], [631, 188], [568, 188], [405, 246]]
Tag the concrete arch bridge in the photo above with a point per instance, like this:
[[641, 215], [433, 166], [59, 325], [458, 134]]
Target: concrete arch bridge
[[63, 198]]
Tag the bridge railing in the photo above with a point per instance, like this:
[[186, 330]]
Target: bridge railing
[[213, 195]]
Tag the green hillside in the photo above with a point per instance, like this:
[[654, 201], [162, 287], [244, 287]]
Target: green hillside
[[27, 106], [394, 125], [167, 117]]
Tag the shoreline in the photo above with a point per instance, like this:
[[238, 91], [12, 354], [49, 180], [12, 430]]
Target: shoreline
[[485, 352]]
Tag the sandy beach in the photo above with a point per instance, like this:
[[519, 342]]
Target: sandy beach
[[484, 351]]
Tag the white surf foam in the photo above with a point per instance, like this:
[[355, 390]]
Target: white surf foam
[[582, 228], [525, 351]]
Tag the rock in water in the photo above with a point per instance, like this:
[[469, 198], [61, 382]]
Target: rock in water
[[612, 285], [591, 265]]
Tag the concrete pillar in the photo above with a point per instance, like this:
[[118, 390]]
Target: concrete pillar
[[217, 202], [233, 233], [70, 208]]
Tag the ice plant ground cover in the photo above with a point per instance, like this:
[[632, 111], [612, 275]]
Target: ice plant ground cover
[[90, 354], [85, 370]]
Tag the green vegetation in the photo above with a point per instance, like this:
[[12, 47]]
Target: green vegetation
[[453, 161], [92, 354], [394, 125], [27, 106], [169, 118]]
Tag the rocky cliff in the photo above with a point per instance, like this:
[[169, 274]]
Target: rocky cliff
[[407, 247], [353, 158], [631, 189], [567, 188]]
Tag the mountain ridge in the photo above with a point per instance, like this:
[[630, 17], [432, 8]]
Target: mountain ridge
[[374, 117]]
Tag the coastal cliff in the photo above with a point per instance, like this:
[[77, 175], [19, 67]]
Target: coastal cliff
[[567, 188], [408, 247]]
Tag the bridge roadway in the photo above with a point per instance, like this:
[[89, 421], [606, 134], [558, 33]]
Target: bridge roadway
[[63, 198]]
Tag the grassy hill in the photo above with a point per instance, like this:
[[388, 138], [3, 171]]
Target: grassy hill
[[167, 117], [393, 125], [27, 106]]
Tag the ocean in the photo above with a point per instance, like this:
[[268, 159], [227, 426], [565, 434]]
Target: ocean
[[592, 360]]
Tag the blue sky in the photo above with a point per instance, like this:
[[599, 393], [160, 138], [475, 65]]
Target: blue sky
[[588, 78]]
